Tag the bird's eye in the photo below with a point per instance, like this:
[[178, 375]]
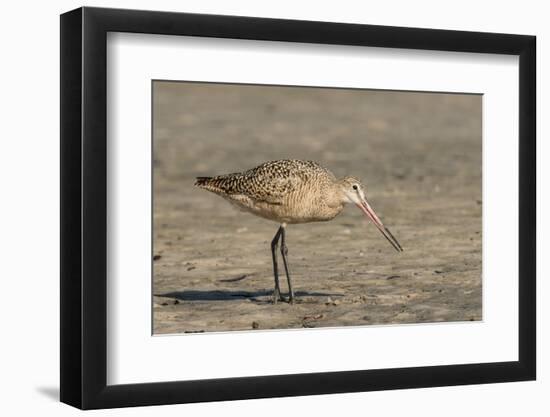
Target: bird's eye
[[355, 186]]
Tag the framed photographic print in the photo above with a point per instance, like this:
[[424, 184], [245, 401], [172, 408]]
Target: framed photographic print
[[258, 208]]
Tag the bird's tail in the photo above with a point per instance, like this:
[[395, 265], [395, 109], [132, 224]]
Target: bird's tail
[[213, 184], [202, 181], [222, 184]]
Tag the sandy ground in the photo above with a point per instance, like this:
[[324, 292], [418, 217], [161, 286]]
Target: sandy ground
[[418, 154]]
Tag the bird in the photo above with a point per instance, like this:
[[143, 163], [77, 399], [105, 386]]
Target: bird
[[292, 191]]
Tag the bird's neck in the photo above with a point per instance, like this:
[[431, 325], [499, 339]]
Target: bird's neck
[[336, 198]]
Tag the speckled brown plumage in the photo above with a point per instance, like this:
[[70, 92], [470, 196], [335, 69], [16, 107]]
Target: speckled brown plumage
[[292, 191], [286, 191]]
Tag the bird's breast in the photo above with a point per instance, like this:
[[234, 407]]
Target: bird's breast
[[303, 205], [292, 211]]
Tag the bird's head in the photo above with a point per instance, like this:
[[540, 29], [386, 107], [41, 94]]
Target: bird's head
[[353, 191]]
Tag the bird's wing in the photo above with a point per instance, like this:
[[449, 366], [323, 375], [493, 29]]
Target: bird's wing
[[271, 182], [272, 189], [242, 186]]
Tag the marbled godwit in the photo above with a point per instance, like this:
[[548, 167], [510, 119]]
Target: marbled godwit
[[292, 191]]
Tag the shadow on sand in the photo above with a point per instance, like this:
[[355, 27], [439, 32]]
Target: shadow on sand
[[228, 295]]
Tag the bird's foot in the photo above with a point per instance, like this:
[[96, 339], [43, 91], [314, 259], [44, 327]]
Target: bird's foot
[[277, 296]]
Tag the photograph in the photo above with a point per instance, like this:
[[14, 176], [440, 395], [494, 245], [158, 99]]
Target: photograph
[[297, 207]]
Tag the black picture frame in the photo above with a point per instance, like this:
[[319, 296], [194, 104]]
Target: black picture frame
[[84, 207]]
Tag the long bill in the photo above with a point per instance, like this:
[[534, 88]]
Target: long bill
[[367, 209]]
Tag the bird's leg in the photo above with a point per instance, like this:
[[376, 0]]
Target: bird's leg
[[284, 253], [274, 243]]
